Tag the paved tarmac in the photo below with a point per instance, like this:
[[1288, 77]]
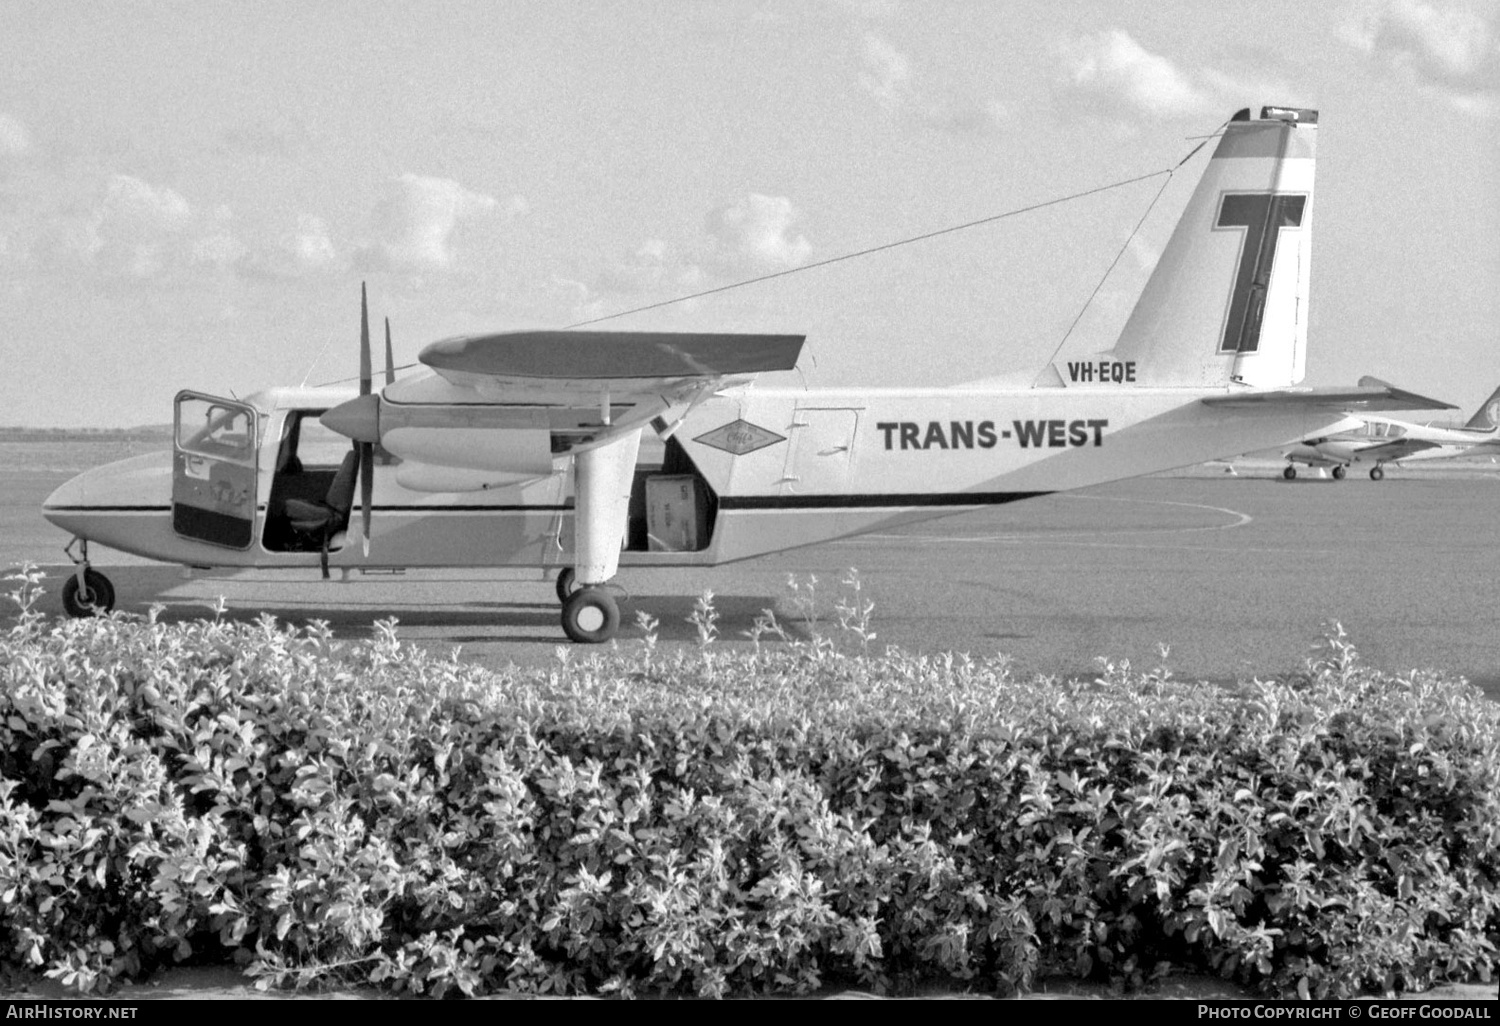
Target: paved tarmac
[[1234, 574]]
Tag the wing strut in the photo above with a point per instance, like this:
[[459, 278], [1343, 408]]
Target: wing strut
[[602, 479], [603, 476]]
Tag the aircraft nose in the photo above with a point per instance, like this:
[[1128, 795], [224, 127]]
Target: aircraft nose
[[65, 498]]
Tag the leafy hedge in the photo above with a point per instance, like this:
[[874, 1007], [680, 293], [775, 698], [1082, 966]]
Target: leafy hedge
[[729, 820]]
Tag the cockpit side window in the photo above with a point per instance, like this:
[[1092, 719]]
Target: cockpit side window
[[209, 429]]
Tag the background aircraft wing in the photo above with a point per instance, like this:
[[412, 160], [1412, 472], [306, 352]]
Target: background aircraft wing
[[1367, 397], [1397, 448]]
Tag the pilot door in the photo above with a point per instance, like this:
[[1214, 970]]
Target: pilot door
[[214, 470]]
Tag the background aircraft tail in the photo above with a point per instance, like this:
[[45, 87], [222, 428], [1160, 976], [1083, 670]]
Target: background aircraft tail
[[1488, 414], [1228, 298]]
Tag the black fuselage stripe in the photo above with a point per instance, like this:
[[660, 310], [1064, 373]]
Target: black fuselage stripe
[[516, 508], [106, 509], [902, 500]]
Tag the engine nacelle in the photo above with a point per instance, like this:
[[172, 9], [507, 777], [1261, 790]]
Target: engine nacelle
[[511, 450], [511, 440]]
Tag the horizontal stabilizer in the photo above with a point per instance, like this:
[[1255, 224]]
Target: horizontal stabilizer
[[612, 355], [1367, 398]]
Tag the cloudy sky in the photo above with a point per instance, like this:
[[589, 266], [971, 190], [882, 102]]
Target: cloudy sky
[[191, 193]]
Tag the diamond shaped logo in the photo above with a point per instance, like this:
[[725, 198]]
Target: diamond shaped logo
[[739, 437]]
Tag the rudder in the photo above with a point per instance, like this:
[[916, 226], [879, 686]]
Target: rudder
[[1488, 414], [1227, 301]]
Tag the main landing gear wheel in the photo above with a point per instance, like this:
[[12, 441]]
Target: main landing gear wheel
[[95, 598], [590, 616], [1338, 473], [1376, 473], [567, 584], [1290, 473]]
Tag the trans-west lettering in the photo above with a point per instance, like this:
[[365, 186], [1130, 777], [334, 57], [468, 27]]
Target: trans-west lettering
[[969, 434], [1059, 434], [1102, 371], [938, 434]]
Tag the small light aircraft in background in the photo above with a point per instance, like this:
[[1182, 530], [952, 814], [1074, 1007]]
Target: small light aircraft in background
[[1382, 440], [522, 449]]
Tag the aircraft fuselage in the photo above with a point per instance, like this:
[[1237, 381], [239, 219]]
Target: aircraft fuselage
[[757, 470]]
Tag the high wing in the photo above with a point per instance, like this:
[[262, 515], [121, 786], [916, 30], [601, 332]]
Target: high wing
[[510, 402], [596, 385], [639, 359]]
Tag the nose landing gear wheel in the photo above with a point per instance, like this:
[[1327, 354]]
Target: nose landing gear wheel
[[95, 598], [1338, 473], [567, 584], [1290, 473], [1376, 473], [590, 616]]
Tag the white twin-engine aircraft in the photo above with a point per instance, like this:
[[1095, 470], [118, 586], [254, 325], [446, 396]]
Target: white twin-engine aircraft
[[521, 449], [1382, 440]]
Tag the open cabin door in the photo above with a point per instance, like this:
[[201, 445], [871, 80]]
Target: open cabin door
[[214, 470]]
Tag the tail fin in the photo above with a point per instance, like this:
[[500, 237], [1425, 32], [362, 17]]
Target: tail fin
[[1488, 414], [1228, 298]]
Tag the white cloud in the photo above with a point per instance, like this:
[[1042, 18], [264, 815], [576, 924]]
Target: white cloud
[[137, 228], [1450, 50], [217, 245], [887, 74], [306, 250], [309, 246], [888, 77], [14, 139], [1252, 84], [755, 235], [133, 207], [1116, 76], [654, 270], [751, 237], [642, 271], [414, 223], [140, 230]]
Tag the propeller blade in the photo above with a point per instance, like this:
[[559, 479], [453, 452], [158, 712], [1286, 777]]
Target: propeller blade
[[364, 342], [390, 362], [366, 490]]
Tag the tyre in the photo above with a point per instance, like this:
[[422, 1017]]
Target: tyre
[[566, 584], [1338, 473], [95, 598], [1290, 473], [1376, 473], [590, 616]]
